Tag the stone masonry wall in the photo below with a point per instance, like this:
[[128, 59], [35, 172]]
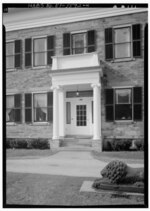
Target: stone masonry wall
[[127, 73]]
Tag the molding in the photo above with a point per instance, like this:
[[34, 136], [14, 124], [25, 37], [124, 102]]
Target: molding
[[68, 18]]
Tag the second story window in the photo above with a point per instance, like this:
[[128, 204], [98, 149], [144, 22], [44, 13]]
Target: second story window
[[43, 49], [13, 54], [79, 43], [123, 42]]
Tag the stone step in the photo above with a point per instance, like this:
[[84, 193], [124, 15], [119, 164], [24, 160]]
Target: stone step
[[67, 142]]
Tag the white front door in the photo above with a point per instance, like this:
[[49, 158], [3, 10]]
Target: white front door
[[79, 116]]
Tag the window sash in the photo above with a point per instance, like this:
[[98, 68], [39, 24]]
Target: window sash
[[79, 44]]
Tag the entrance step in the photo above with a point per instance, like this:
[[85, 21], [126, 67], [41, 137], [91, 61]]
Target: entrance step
[[76, 143]]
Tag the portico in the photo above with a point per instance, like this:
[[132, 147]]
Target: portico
[[76, 89]]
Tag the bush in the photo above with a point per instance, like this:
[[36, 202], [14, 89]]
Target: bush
[[139, 144], [121, 144], [107, 145], [16, 143]]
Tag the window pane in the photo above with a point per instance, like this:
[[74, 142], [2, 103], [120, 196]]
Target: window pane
[[123, 112], [40, 100], [39, 59], [122, 35], [17, 46], [122, 50], [10, 48], [123, 96], [10, 62], [10, 115], [10, 101], [40, 114], [40, 45]]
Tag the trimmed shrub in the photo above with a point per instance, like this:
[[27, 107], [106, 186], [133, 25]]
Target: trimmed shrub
[[16, 143], [121, 144], [139, 144], [107, 145]]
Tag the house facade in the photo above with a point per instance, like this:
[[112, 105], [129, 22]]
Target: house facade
[[75, 72]]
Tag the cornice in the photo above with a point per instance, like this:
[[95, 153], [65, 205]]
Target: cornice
[[70, 18]]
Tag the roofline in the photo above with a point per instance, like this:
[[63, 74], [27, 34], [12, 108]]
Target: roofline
[[70, 19]]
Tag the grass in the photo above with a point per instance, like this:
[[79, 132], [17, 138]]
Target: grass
[[28, 153], [126, 156], [36, 189]]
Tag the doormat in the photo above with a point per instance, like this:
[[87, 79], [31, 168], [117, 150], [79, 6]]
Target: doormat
[[87, 187]]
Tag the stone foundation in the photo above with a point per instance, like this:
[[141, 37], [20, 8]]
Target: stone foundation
[[97, 145], [54, 144]]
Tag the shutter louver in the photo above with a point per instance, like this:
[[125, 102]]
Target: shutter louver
[[18, 55], [50, 48], [109, 104], [136, 36], [17, 105], [137, 103], [28, 108], [109, 44], [28, 52], [50, 106], [66, 44], [91, 41]]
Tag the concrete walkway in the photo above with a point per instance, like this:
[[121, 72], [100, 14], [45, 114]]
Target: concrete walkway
[[68, 163]]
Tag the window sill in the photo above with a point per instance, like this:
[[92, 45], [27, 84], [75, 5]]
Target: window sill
[[123, 121], [122, 60], [40, 123], [11, 123]]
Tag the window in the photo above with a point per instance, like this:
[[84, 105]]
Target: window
[[13, 54], [13, 108], [79, 43], [123, 42], [81, 115], [68, 113], [43, 50], [123, 104], [43, 107]]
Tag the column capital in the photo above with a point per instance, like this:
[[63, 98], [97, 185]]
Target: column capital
[[96, 85], [55, 87]]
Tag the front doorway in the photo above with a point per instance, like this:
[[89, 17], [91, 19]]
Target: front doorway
[[79, 116]]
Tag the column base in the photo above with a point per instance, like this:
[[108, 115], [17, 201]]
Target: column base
[[97, 145], [54, 144]]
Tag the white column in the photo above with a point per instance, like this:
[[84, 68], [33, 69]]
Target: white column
[[97, 113], [61, 113], [55, 113]]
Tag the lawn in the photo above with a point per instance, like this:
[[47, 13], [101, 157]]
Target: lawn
[[35, 189], [28, 153], [126, 156]]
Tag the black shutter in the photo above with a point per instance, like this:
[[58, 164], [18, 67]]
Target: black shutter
[[17, 107], [136, 36], [18, 49], [109, 44], [109, 104], [137, 103], [91, 41], [50, 106], [66, 44], [28, 52], [28, 108], [50, 48]]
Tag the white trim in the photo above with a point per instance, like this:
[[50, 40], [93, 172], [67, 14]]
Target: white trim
[[78, 32], [122, 26], [82, 16], [122, 87]]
